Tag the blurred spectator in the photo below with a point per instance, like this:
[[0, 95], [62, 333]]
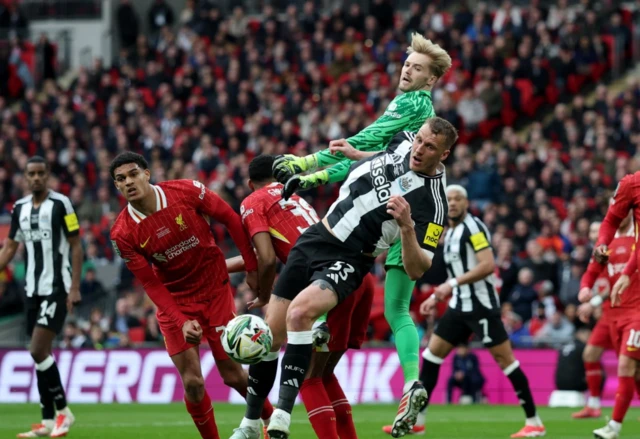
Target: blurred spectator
[[91, 289], [46, 60], [570, 276], [556, 332], [160, 15], [73, 337], [123, 319], [128, 24], [13, 21], [523, 295], [471, 109], [466, 375]]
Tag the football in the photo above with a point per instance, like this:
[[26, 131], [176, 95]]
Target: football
[[247, 339]]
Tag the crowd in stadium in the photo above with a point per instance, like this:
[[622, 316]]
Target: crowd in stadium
[[199, 100]]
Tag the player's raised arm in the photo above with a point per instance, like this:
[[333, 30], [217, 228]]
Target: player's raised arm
[[154, 288], [618, 210], [426, 63]]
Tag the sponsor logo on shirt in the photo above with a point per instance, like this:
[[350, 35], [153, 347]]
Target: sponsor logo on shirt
[[434, 231], [201, 187], [144, 244], [479, 241], [71, 221], [381, 184], [36, 235], [162, 231], [244, 213], [180, 222], [160, 257], [184, 246], [275, 192]]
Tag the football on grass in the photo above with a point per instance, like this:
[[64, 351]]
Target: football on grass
[[247, 339]]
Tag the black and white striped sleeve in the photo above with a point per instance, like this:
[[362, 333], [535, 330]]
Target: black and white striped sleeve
[[430, 214]]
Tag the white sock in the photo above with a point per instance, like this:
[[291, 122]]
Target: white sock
[[251, 423], [49, 423], [593, 402], [616, 426], [65, 411], [422, 417], [408, 385], [534, 422]]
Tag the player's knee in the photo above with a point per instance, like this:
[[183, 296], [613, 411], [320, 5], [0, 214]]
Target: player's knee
[[299, 318], [504, 360], [588, 355], [193, 386], [38, 354], [626, 366]]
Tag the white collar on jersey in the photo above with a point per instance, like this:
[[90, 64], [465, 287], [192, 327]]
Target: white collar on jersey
[[161, 203], [440, 169]]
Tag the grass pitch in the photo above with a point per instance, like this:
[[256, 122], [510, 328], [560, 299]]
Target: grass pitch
[[136, 421]]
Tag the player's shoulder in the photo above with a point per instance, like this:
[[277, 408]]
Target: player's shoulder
[[417, 97], [180, 185], [19, 203], [23, 200], [474, 224], [403, 136], [266, 195], [122, 225], [57, 197]]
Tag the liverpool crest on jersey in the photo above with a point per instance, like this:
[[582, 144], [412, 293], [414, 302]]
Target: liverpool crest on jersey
[[180, 222]]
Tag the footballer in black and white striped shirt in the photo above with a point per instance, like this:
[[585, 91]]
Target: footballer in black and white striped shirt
[[47, 225], [396, 194], [474, 307]]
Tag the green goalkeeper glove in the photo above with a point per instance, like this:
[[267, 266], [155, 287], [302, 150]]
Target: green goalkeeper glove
[[288, 165], [304, 182]]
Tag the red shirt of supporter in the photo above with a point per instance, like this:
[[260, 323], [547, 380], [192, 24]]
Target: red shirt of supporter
[[186, 264], [602, 277], [265, 210]]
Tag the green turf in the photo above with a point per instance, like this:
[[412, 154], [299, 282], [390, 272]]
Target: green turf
[[171, 421]]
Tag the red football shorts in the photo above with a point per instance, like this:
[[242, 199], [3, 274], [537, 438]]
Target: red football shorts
[[601, 335], [213, 315], [625, 334], [348, 322]]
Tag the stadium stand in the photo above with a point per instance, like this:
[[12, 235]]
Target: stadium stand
[[199, 100]]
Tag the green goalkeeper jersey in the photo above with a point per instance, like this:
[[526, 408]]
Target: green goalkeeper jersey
[[407, 112]]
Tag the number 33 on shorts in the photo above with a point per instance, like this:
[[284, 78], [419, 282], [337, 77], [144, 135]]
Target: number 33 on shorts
[[342, 270]]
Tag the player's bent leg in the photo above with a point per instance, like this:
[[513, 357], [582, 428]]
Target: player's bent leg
[[316, 400], [49, 384], [593, 371], [305, 308], [196, 397], [503, 354]]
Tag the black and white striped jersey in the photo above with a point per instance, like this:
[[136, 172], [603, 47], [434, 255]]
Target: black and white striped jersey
[[359, 216], [461, 243], [44, 231]]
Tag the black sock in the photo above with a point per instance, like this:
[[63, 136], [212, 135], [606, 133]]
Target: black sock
[[295, 363], [520, 384], [46, 400], [429, 373], [261, 379], [54, 385]]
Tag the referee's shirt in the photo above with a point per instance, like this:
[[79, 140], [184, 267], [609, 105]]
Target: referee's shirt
[[461, 243], [44, 231]]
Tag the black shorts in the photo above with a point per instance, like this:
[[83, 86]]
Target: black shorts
[[47, 311], [456, 327], [318, 255]]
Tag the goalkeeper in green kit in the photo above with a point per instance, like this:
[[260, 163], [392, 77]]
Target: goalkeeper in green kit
[[426, 63]]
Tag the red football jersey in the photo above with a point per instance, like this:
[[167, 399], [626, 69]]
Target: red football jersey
[[285, 220], [177, 241], [621, 249]]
